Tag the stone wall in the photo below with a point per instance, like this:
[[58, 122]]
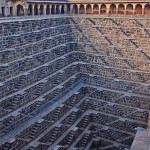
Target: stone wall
[[41, 60]]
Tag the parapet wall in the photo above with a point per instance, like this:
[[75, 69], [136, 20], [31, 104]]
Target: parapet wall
[[27, 8]]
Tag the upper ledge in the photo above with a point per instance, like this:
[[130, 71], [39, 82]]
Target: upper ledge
[[86, 1], [25, 18]]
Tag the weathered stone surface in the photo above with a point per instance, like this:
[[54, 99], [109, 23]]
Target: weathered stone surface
[[74, 82]]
